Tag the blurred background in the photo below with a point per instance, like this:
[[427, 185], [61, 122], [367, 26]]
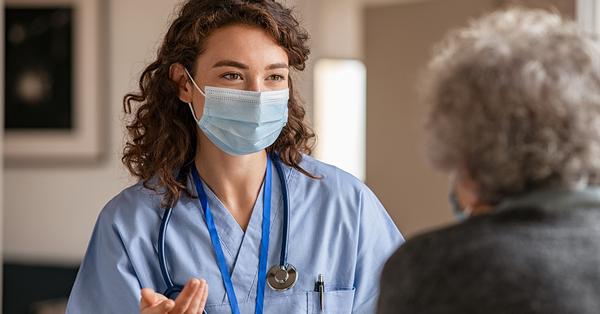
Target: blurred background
[[68, 63]]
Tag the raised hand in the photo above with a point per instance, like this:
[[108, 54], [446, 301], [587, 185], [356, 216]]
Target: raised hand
[[191, 300]]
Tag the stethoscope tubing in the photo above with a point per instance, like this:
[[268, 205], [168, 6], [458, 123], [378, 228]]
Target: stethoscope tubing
[[161, 246], [286, 207]]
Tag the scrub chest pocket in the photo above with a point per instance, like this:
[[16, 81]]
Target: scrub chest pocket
[[336, 301]]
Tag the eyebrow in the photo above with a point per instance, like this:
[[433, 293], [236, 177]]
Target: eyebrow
[[277, 66], [235, 64]]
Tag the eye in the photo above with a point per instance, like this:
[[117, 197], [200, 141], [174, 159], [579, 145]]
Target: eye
[[232, 76], [277, 77]]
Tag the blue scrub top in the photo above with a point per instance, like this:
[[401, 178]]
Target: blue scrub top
[[338, 228]]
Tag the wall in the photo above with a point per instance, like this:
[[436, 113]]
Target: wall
[[336, 29]]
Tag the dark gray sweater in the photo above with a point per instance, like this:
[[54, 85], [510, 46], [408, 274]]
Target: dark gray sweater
[[537, 254]]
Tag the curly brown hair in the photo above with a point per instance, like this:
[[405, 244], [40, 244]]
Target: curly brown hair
[[162, 133], [512, 110]]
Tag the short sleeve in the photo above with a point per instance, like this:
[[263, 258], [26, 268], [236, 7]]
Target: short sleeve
[[378, 238], [106, 281]]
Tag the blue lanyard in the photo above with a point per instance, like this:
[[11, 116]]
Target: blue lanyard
[[216, 242]]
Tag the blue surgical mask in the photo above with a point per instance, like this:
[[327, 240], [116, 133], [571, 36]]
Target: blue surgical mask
[[459, 212], [456, 208], [242, 122]]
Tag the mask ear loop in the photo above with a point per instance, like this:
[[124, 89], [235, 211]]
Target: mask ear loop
[[198, 88], [193, 113], [467, 211]]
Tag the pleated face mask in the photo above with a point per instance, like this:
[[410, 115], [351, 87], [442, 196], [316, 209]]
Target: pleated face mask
[[242, 122]]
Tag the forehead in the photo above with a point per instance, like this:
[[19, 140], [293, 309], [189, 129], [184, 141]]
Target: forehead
[[243, 43]]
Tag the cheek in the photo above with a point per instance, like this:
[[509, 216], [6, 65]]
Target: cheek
[[283, 84]]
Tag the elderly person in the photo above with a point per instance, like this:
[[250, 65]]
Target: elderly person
[[515, 120]]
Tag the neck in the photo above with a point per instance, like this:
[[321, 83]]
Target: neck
[[236, 180]]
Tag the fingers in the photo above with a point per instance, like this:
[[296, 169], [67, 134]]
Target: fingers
[[191, 300], [194, 307], [152, 302], [162, 307], [185, 298], [203, 299], [148, 298]]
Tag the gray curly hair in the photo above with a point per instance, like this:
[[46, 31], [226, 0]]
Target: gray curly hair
[[515, 102]]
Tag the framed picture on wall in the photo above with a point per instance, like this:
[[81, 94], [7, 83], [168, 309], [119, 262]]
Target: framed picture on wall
[[53, 81]]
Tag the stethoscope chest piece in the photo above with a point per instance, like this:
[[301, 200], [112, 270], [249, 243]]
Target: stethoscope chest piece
[[282, 277]]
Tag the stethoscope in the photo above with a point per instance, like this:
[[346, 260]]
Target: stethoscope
[[279, 277]]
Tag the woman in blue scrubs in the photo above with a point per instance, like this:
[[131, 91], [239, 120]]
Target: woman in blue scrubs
[[218, 141]]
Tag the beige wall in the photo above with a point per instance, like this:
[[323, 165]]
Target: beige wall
[[336, 29], [398, 41]]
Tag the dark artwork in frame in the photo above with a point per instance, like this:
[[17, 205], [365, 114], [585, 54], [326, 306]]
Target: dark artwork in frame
[[39, 68]]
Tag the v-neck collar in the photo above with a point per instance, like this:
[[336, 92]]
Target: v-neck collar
[[230, 231], [242, 248]]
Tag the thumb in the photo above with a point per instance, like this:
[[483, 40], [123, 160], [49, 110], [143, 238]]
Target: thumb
[[148, 298]]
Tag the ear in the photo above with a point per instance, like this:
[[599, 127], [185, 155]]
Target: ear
[[178, 75], [468, 192]]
